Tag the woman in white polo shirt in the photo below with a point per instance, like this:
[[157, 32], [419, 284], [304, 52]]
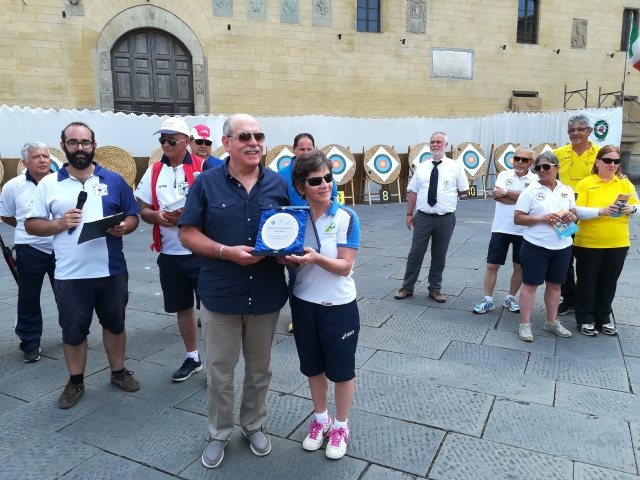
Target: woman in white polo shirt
[[544, 254], [323, 305]]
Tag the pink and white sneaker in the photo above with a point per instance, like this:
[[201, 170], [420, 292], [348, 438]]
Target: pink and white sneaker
[[337, 446], [317, 433]]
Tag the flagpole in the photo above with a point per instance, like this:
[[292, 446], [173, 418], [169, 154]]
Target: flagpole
[[626, 59]]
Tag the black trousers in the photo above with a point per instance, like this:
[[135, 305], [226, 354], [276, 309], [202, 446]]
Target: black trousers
[[597, 271]]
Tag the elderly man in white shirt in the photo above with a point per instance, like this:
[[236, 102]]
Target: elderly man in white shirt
[[434, 189]]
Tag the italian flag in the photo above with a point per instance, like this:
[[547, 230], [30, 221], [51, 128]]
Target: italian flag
[[634, 47]]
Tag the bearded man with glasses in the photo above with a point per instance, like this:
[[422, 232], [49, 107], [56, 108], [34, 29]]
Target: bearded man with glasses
[[241, 294], [161, 194]]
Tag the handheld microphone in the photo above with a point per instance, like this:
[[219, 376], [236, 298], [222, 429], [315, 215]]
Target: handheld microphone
[[82, 197]]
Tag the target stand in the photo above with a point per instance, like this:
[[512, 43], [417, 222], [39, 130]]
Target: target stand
[[343, 168], [382, 166]]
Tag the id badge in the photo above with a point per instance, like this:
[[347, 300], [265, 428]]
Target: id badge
[[183, 188]]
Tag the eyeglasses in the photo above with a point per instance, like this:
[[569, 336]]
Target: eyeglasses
[[315, 181], [616, 161], [201, 141], [170, 141], [76, 143], [578, 130], [246, 136], [545, 166], [521, 159]]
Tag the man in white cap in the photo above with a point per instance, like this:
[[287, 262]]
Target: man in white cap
[[162, 192], [201, 146]]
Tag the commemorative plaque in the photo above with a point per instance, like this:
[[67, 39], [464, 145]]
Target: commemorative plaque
[[285, 231]]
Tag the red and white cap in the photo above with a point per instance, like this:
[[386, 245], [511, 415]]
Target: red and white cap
[[201, 132]]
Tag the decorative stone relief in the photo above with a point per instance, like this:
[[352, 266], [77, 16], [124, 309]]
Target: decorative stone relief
[[321, 15], [199, 85], [416, 16], [289, 11], [579, 33], [256, 10], [223, 8]]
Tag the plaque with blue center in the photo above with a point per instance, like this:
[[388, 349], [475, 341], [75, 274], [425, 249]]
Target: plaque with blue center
[[285, 231]]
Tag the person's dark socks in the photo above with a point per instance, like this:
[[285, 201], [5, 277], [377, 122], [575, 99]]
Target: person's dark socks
[[117, 372], [77, 379]]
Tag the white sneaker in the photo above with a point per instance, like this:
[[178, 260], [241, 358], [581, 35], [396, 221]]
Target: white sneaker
[[557, 328], [317, 433], [337, 446], [524, 332]]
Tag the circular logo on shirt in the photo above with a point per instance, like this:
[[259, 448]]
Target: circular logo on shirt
[[540, 196], [601, 129], [509, 182]]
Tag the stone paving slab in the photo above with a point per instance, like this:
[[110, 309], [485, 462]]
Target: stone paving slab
[[403, 342], [629, 340], [468, 458], [373, 286], [527, 388], [633, 368], [142, 343], [137, 430], [420, 296], [626, 310], [389, 442], [46, 458], [146, 302], [598, 401], [105, 466], [601, 441], [173, 355], [579, 346], [447, 319], [434, 324], [46, 376], [374, 312], [26, 424], [380, 266], [627, 290], [582, 471], [493, 358], [421, 402], [541, 345], [581, 371], [8, 403], [380, 473], [148, 320], [635, 437], [286, 460]]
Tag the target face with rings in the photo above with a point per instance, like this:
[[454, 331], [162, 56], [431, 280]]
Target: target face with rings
[[382, 164], [508, 159], [283, 162], [471, 160], [425, 156], [338, 164]]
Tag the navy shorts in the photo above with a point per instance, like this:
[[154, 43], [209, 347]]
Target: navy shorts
[[499, 247], [540, 264], [179, 279], [77, 299], [326, 338]]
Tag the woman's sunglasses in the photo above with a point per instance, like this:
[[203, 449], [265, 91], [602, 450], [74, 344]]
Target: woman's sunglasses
[[200, 141], [170, 141], [315, 181], [616, 161], [545, 166]]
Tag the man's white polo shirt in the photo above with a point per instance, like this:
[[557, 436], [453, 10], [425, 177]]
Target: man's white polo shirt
[[503, 216]]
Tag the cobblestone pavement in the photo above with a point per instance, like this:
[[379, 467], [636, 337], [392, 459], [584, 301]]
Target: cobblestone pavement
[[441, 393]]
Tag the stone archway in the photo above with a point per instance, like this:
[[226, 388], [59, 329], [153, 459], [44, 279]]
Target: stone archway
[[147, 16]]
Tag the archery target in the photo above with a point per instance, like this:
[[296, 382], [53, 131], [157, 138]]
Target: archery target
[[544, 147], [503, 158], [220, 153], [418, 154], [279, 157], [472, 158], [383, 164], [343, 164]]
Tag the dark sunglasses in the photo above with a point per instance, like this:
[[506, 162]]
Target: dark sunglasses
[[170, 141], [545, 166], [200, 141], [246, 136], [616, 161], [315, 181], [521, 159]]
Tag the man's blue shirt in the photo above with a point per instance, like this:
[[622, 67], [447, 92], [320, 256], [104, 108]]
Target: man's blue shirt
[[220, 206], [294, 196], [211, 162]]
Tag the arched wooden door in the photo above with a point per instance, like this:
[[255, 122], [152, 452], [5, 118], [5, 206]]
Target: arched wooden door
[[152, 73]]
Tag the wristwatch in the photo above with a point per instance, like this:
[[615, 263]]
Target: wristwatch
[[409, 214], [504, 192]]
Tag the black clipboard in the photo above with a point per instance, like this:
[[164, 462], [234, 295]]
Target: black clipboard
[[311, 238], [98, 228]]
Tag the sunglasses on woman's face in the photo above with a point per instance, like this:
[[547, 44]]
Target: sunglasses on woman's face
[[200, 141], [170, 141], [616, 161], [545, 166], [315, 181]]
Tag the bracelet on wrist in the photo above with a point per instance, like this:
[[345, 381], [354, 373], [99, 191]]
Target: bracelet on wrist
[[221, 250]]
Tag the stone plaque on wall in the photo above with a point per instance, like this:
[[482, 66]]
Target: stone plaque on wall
[[416, 16], [321, 12], [579, 33], [452, 63], [257, 9], [289, 11], [223, 8]]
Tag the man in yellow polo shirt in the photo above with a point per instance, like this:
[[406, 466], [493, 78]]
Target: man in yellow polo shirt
[[576, 161]]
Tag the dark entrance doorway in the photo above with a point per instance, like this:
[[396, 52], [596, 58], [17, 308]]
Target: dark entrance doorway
[[152, 73]]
